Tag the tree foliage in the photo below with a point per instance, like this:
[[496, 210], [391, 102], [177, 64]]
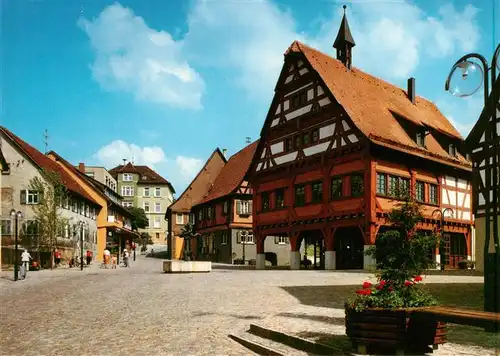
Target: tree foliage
[[139, 218], [51, 193], [402, 253]]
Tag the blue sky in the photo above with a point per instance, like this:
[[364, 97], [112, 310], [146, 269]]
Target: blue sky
[[166, 82]]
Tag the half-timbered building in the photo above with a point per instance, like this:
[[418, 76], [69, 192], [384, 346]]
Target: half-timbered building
[[223, 217], [336, 148]]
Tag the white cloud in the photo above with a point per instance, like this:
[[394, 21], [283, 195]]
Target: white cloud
[[179, 170], [392, 37], [134, 58], [467, 109]]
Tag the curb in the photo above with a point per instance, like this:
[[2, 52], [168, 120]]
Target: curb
[[294, 341], [255, 347]]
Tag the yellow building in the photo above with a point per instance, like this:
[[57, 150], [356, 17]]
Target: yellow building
[[113, 220]]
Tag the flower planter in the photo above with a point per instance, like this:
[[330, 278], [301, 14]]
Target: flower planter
[[393, 331]]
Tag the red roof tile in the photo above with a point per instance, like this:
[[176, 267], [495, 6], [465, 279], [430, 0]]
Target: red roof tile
[[200, 185], [45, 163], [232, 175], [146, 174], [370, 101]]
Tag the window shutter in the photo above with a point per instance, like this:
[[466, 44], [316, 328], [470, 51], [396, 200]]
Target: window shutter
[[238, 207], [23, 197], [276, 239], [238, 237], [250, 207]]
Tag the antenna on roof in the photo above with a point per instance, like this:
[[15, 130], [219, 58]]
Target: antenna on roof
[[124, 161], [46, 140], [247, 140], [132, 159]]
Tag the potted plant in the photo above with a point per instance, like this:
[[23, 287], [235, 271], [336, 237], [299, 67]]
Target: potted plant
[[378, 317]]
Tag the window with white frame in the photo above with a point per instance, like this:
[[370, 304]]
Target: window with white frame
[[127, 191], [243, 207], [87, 211], [157, 207], [157, 191], [146, 207], [146, 192], [157, 223], [6, 227], [127, 177], [66, 231], [281, 240], [246, 237], [224, 238], [30, 197], [191, 219], [82, 208], [179, 219], [127, 204], [75, 206]]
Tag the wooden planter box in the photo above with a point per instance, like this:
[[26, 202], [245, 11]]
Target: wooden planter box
[[393, 331]]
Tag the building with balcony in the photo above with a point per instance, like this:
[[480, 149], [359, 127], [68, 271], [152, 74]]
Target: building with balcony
[[142, 187], [113, 220]]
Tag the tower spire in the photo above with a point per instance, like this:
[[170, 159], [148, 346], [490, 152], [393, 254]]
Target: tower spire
[[344, 42]]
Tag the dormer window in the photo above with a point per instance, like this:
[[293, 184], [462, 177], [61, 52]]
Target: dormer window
[[452, 150], [421, 139]]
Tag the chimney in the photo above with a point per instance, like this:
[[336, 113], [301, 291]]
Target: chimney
[[411, 90], [224, 150], [81, 167]]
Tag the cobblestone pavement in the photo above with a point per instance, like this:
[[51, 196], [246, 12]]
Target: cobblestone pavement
[[141, 311]]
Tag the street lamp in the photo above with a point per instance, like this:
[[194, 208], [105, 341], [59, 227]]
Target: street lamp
[[441, 229], [82, 224], [16, 215], [484, 144]]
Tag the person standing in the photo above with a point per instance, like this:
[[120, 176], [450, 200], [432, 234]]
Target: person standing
[[126, 256], [25, 260], [57, 257], [106, 256], [89, 257]]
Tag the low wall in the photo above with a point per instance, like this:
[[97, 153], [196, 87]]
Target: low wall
[[178, 266]]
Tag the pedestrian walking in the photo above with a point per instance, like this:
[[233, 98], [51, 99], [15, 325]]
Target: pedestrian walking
[[89, 257], [126, 256], [57, 257], [25, 263]]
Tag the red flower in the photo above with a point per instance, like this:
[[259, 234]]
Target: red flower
[[418, 278], [390, 289], [364, 292], [381, 285], [408, 283], [367, 285]]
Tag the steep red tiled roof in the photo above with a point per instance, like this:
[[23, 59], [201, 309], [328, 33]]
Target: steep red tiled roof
[[200, 185], [233, 173], [146, 174], [372, 103], [45, 163]]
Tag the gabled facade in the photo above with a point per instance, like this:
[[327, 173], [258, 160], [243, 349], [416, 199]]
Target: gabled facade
[[483, 142], [335, 149], [100, 174], [224, 217], [25, 163], [113, 220], [142, 187], [179, 213]]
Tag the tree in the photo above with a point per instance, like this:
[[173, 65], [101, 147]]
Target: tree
[[51, 193], [139, 218], [188, 233]]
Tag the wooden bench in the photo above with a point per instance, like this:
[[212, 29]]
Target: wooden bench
[[481, 319]]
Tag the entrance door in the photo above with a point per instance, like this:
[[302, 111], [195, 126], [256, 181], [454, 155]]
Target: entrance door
[[349, 247]]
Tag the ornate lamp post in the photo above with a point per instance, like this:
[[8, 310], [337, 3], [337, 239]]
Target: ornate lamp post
[[16, 215], [441, 229], [484, 143]]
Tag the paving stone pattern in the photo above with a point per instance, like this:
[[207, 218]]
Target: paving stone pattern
[[141, 311]]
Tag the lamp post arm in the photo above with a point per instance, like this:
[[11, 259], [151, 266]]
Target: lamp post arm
[[494, 62], [484, 62]]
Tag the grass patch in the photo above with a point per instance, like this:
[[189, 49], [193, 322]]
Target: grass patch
[[459, 295]]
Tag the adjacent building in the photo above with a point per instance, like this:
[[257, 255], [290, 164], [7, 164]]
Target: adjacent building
[[336, 149], [142, 187], [79, 211], [113, 220], [101, 175], [179, 213], [224, 217]]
